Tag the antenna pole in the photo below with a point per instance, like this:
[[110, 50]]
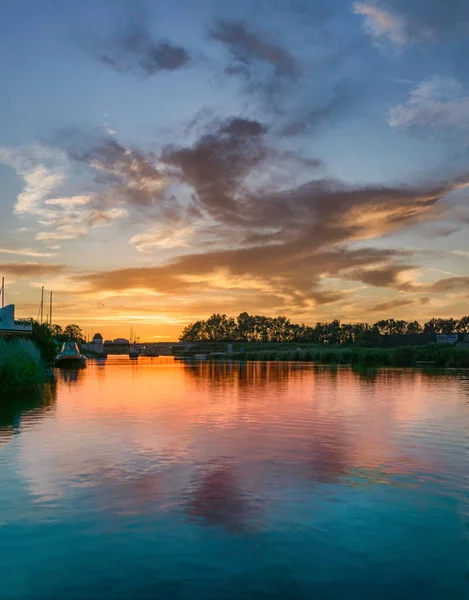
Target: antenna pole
[[50, 310], [42, 303], [3, 292]]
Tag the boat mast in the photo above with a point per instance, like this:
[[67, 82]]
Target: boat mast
[[50, 310], [42, 303], [3, 292]]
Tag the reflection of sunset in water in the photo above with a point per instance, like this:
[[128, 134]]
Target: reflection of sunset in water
[[148, 425], [159, 462]]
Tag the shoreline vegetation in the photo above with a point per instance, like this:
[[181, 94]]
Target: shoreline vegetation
[[258, 328], [385, 343], [24, 363], [21, 366], [433, 355]]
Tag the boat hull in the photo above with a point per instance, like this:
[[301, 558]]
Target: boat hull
[[70, 362]]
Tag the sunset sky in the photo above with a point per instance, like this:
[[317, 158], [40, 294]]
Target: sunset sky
[[160, 161]]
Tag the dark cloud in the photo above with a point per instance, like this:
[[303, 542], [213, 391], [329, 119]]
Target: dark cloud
[[391, 305], [450, 284], [292, 277], [218, 163], [387, 276], [247, 47], [134, 50], [30, 269], [287, 241]]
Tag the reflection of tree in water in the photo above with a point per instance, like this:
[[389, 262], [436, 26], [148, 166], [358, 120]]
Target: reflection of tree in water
[[217, 499], [368, 374], [28, 406], [242, 375]]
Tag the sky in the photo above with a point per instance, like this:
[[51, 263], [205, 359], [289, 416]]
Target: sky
[[163, 161]]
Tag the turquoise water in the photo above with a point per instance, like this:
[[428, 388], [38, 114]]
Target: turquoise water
[[161, 479]]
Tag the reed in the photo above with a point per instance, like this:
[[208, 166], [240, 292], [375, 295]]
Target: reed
[[21, 366]]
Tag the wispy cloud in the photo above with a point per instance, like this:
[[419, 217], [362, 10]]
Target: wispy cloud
[[47, 173], [436, 103], [29, 252], [162, 237], [134, 50], [248, 47], [30, 269], [383, 23]]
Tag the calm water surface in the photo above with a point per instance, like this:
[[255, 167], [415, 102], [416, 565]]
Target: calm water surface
[[159, 479]]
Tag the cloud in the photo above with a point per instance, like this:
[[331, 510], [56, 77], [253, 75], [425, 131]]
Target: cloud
[[391, 305], [43, 171], [68, 202], [281, 242], [218, 163], [161, 237], [47, 173], [407, 23], [137, 177], [436, 103], [450, 284], [29, 252], [390, 276], [30, 269], [382, 23], [247, 48], [134, 50], [266, 69]]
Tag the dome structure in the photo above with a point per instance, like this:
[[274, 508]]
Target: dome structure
[[98, 338]]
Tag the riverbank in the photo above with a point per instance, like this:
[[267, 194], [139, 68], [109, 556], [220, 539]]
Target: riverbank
[[21, 366], [438, 355]]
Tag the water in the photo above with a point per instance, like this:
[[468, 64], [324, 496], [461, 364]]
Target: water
[[159, 479]]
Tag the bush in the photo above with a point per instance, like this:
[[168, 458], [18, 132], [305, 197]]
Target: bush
[[346, 357], [403, 356], [42, 337]]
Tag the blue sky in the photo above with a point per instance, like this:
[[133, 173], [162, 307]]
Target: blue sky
[[161, 162]]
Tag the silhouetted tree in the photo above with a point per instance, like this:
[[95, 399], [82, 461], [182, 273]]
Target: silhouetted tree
[[74, 333]]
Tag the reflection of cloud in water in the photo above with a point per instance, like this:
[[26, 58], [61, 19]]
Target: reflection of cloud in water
[[328, 456], [120, 492], [241, 375], [141, 433], [215, 498]]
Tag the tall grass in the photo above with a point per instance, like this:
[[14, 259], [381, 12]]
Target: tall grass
[[21, 367]]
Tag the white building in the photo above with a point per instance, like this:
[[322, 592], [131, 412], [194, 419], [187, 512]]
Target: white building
[[96, 344], [8, 326]]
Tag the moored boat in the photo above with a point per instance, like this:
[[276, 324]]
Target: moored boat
[[70, 356], [134, 351]]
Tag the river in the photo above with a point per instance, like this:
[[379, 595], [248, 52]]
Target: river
[[156, 478]]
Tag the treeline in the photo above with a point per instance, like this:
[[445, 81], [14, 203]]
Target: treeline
[[257, 328]]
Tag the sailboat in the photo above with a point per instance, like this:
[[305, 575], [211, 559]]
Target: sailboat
[[134, 351]]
